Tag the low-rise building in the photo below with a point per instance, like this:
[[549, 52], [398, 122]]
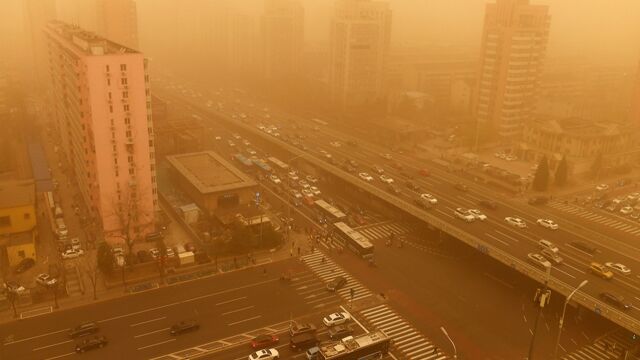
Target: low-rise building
[[17, 207]]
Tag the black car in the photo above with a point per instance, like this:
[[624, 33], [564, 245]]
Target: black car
[[393, 189], [412, 185], [24, 265], [339, 332], [336, 284], [184, 327], [92, 343], [615, 300], [488, 204], [84, 329], [538, 200], [301, 329], [584, 247], [461, 187]]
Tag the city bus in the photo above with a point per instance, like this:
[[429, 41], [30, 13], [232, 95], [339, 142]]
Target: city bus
[[262, 165], [355, 241], [331, 212], [243, 160], [279, 164]]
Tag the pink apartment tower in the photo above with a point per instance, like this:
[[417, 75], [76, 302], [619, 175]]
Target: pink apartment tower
[[102, 111]]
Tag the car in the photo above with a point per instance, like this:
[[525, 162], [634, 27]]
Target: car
[[430, 198], [626, 210], [264, 340], [511, 158], [539, 260], [477, 214], [13, 287], [304, 184], [24, 265], [378, 169], [293, 175], [231, 143], [602, 187], [393, 189], [337, 283], [412, 185], [265, 354], [515, 221], [315, 190], [552, 256], [170, 252], [488, 204], [635, 215], [463, 214], [75, 243], [218, 138], [339, 332], [274, 179], [461, 187], [422, 203], [301, 329], [337, 318], [619, 268], [336, 144], [83, 329], [296, 194], [615, 300], [583, 247], [46, 280], [600, 270], [155, 253], [538, 200], [312, 179], [386, 156], [72, 254], [365, 176], [547, 223], [246, 142], [92, 343], [307, 192], [184, 326], [251, 151], [386, 179], [546, 244], [312, 353]]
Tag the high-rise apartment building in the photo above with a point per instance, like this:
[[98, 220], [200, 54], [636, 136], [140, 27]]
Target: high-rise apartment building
[[514, 43], [102, 102], [37, 13], [282, 38], [359, 47], [635, 105]]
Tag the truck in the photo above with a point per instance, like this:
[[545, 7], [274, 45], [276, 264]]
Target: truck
[[374, 345], [186, 258]]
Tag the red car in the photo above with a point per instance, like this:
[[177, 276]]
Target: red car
[[424, 172], [264, 341]]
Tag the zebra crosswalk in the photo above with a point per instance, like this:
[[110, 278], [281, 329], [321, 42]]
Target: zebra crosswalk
[[327, 270], [382, 230], [593, 216], [612, 346], [407, 340]]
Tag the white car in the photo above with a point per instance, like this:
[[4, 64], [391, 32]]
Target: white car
[[429, 198], [626, 210], [251, 152], [386, 179], [311, 179], [315, 190], [275, 179], [515, 221], [335, 144], [218, 138], [265, 354], [336, 318], [303, 184], [72, 254], [386, 156], [602, 187], [539, 260], [246, 142], [75, 243], [365, 176], [307, 192], [325, 154], [547, 223], [46, 280], [231, 143], [378, 169], [477, 214], [293, 176], [546, 244], [463, 214], [296, 194], [618, 268], [511, 158]]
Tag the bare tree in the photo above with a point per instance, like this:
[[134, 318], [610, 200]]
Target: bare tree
[[12, 297], [91, 269], [132, 221]]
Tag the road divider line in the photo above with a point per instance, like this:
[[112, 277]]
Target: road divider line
[[148, 321], [230, 301], [35, 337], [59, 356], [564, 272], [156, 344], [237, 310], [52, 345], [496, 239], [245, 320], [150, 332]]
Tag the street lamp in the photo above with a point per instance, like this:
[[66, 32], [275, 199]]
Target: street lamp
[[455, 351], [289, 200], [542, 299], [564, 308]]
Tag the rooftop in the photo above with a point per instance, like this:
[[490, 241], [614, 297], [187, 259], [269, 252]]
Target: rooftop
[[209, 172], [17, 193], [88, 42]]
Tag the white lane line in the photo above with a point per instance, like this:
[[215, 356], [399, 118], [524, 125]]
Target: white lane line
[[506, 235], [148, 321], [564, 272], [230, 301], [59, 356], [156, 344], [496, 239], [237, 310], [574, 268], [48, 346], [245, 320], [35, 337], [150, 332]]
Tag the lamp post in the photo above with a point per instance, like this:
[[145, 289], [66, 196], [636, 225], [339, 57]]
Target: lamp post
[[564, 308], [541, 299], [455, 351]]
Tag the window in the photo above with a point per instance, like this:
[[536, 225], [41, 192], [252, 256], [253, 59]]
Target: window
[[109, 95], [123, 67], [107, 68], [128, 133], [108, 82], [131, 171], [126, 107], [125, 94], [127, 121], [123, 81], [27, 216], [22, 254], [111, 108], [150, 143], [130, 158]]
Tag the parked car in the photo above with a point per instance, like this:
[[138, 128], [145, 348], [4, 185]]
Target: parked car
[[83, 329], [92, 343], [184, 327], [24, 265], [72, 254], [75, 243], [264, 340], [46, 280], [14, 287]]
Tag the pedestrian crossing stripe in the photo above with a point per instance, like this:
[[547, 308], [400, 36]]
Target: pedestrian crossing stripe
[[382, 230], [578, 211], [328, 270]]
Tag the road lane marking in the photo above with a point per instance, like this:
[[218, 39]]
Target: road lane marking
[[564, 272], [156, 344], [574, 268], [496, 239], [245, 320], [48, 346], [148, 321], [498, 280], [35, 337], [507, 235], [59, 356], [237, 310], [230, 301], [150, 332]]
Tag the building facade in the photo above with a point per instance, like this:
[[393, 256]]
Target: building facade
[[17, 221], [37, 13], [102, 110], [513, 47], [359, 47], [635, 101], [282, 38]]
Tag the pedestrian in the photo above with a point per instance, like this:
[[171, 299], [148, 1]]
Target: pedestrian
[[298, 250], [264, 270], [435, 350]]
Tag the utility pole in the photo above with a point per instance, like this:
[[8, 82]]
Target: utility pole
[[541, 299]]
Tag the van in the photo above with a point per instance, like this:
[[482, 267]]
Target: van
[[58, 212], [546, 244], [61, 228], [312, 353], [303, 341]]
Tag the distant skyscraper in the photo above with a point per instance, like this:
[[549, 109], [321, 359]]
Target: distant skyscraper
[[102, 103], [37, 13], [636, 100], [359, 47], [282, 38], [514, 43]]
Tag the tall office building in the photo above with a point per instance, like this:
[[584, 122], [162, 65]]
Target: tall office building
[[102, 105], [514, 43], [359, 47], [37, 13], [282, 38], [635, 105]]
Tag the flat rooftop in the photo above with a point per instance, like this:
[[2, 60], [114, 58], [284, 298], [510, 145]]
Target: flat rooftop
[[86, 41], [209, 172], [17, 193]]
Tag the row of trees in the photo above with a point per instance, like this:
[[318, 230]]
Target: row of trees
[[542, 176]]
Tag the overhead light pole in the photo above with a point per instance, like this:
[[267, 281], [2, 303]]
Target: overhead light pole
[[541, 299], [564, 308]]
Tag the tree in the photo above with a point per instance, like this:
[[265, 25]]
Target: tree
[[562, 172], [541, 179], [162, 257], [104, 258], [91, 268], [596, 167], [132, 222], [12, 297]]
